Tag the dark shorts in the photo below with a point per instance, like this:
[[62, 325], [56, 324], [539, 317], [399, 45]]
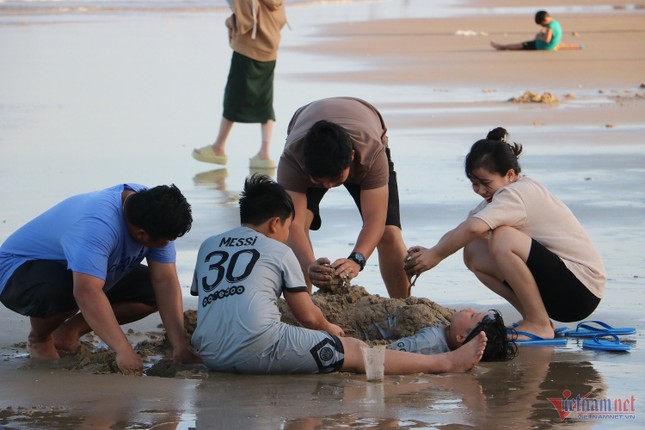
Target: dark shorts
[[42, 288], [529, 46], [315, 195], [566, 299], [248, 96]]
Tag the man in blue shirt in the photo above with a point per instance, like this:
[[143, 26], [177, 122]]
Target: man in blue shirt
[[76, 268]]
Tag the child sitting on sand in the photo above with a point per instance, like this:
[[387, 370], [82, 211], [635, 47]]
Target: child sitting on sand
[[522, 242], [464, 325], [546, 40], [239, 276]]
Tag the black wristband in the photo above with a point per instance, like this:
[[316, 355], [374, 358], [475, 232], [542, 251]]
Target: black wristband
[[358, 258]]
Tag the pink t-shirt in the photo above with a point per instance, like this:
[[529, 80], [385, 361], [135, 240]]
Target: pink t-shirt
[[532, 209], [366, 129]]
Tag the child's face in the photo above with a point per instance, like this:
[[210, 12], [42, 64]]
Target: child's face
[[463, 322], [486, 183]]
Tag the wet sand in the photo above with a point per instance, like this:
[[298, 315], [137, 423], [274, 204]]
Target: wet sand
[[90, 101]]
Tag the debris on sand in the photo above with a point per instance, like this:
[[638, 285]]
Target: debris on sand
[[532, 97]]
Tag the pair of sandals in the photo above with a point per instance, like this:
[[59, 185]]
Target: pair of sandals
[[207, 155], [598, 333]]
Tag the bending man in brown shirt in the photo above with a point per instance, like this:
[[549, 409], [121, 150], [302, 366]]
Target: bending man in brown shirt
[[343, 141]]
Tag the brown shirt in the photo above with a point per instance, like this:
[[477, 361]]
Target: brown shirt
[[254, 28], [366, 130]]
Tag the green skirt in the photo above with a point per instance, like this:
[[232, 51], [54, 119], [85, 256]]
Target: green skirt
[[248, 96]]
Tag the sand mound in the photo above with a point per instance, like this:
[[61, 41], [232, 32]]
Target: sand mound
[[371, 317], [531, 97]]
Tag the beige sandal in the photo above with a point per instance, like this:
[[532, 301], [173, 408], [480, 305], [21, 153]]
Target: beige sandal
[[207, 155]]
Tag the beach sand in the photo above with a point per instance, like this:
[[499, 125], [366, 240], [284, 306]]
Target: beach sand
[[91, 100]]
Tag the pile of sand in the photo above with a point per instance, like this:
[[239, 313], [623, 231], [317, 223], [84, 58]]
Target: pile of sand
[[371, 317], [532, 97]]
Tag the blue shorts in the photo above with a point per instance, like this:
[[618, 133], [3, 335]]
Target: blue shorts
[[315, 195], [42, 288]]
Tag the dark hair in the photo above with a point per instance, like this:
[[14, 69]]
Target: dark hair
[[498, 133], [494, 154], [327, 150], [162, 212], [262, 199], [498, 345], [540, 16]]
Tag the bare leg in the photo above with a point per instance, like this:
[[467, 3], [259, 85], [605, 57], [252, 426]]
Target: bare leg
[[40, 342], [267, 132], [404, 363], [479, 260], [570, 46], [225, 126], [509, 47], [510, 250], [391, 253], [67, 335]]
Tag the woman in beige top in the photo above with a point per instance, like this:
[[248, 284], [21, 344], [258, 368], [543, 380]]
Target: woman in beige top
[[521, 242]]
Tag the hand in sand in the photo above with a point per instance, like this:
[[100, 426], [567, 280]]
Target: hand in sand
[[419, 260], [129, 363], [320, 272], [185, 356]]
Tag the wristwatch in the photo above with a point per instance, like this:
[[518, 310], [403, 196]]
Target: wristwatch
[[358, 258]]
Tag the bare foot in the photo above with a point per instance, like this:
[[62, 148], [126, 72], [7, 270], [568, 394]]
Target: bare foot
[[66, 340], [496, 45], [42, 350], [544, 331], [466, 356]]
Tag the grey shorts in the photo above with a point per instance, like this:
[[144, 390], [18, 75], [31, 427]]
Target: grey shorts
[[300, 350]]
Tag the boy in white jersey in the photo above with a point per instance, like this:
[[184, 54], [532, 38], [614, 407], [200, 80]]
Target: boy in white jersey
[[239, 276]]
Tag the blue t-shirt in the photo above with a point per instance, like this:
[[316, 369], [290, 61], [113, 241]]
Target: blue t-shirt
[[88, 233]]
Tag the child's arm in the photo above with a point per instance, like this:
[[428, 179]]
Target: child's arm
[[308, 314], [548, 35]]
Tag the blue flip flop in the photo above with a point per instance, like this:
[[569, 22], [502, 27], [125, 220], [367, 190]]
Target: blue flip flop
[[558, 331], [534, 339], [593, 328], [598, 343]]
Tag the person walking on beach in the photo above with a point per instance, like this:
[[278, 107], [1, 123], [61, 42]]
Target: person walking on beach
[[549, 39], [239, 276], [522, 242], [254, 31], [76, 268], [343, 141]]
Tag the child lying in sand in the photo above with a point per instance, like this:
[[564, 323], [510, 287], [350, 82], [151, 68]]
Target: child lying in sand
[[464, 325], [239, 276]]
